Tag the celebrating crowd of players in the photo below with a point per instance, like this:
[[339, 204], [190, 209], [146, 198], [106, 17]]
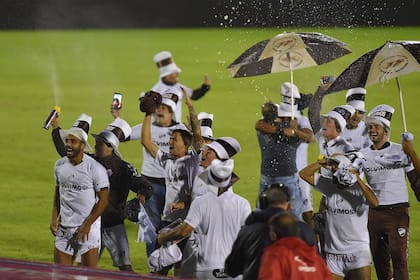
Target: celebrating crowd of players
[[199, 226]]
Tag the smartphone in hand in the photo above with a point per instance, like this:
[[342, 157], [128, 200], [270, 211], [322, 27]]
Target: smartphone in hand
[[326, 80], [117, 101]]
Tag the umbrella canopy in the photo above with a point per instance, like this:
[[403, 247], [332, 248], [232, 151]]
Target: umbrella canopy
[[287, 51], [393, 59], [389, 61]]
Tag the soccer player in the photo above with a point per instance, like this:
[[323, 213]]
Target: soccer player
[[168, 81], [216, 218], [355, 130], [386, 167], [347, 199], [80, 198]]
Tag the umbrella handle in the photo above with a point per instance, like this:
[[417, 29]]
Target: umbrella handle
[[402, 105], [291, 84]]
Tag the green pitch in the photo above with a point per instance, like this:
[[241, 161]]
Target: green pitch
[[80, 70]]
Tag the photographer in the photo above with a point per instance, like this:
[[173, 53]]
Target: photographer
[[278, 138]]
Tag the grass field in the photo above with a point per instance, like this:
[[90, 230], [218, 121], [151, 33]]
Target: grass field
[[79, 70]]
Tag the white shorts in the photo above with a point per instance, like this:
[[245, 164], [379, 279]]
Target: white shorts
[[341, 264], [116, 241], [306, 196], [64, 234]]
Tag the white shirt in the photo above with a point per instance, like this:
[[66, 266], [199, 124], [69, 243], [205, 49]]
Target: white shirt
[[163, 89], [302, 149], [179, 175], [216, 221], [347, 217], [388, 184], [357, 137], [78, 186], [160, 136]]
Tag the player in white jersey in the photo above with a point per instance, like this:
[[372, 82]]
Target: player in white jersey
[[168, 81], [355, 130], [80, 198], [161, 129], [216, 217], [180, 166], [386, 167], [346, 243]]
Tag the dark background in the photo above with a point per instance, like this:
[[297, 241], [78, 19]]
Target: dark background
[[63, 14]]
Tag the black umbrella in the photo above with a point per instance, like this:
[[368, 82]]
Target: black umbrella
[[389, 61], [287, 52]]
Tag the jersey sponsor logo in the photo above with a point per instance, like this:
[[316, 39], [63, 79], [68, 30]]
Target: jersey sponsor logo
[[376, 169], [402, 232], [304, 267], [341, 211], [73, 187], [347, 258]]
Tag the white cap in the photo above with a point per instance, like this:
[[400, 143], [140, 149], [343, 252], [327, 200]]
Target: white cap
[[170, 103], [225, 147], [206, 122], [356, 97], [220, 172], [164, 256], [116, 132], [285, 110], [342, 114], [286, 92], [168, 70], [80, 129], [382, 115], [163, 55]]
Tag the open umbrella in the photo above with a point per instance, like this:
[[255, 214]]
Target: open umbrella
[[391, 60], [287, 52]]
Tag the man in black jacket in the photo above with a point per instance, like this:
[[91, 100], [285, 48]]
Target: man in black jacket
[[254, 236], [123, 177]]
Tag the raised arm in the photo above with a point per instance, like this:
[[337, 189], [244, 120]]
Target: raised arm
[[198, 141], [146, 136], [370, 196], [314, 110], [308, 173], [201, 91]]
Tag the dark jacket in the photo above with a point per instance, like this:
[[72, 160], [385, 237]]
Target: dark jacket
[[254, 236], [122, 178]]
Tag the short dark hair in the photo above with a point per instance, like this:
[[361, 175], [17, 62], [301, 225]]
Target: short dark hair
[[274, 194], [186, 136], [284, 224]]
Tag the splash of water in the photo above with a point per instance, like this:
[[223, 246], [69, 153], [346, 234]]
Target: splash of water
[[54, 79]]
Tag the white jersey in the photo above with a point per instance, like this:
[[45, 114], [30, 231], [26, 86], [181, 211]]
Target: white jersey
[[302, 149], [163, 89], [347, 217], [78, 186], [179, 175], [388, 184], [302, 162], [160, 136], [357, 137], [216, 221]]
